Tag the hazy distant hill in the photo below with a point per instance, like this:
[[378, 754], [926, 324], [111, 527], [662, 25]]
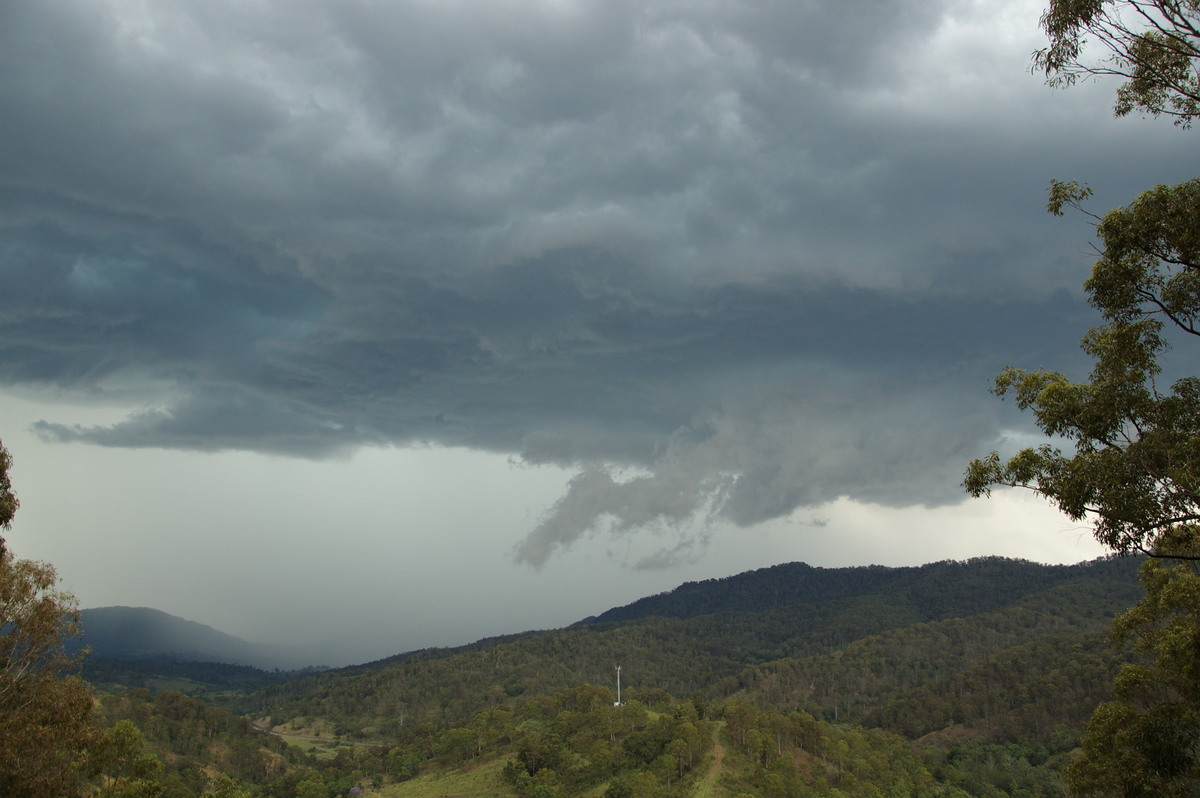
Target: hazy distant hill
[[145, 633], [142, 633]]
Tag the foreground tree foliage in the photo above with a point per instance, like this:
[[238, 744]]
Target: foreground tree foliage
[[124, 767], [51, 741], [8, 499], [45, 720], [1145, 742], [1135, 468], [1152, 44]]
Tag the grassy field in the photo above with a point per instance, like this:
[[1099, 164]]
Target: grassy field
[[325, 749], [483, 781]]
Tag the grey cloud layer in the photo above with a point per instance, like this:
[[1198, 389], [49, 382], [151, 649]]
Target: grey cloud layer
[[755, 252]]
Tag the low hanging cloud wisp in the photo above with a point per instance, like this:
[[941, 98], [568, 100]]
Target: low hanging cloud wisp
[[799, 446], [593, 497]]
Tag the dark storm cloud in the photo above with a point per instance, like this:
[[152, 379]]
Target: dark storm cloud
[[726, 259]]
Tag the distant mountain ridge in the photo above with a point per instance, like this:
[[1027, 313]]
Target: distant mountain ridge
[[933, 588]]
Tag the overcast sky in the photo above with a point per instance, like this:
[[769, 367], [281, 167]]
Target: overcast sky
[[407, 323]]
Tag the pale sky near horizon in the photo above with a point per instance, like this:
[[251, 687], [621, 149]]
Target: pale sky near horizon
[[404, 323]]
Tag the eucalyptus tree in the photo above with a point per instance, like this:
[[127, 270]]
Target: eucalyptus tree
[[8, 499], [45, 720], [1133, 468], [1153, 45]]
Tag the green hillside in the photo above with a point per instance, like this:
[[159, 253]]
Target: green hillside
[[956, 678], [192, 678], [707, 653]]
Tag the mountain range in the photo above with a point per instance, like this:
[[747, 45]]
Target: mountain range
[[978, 674]]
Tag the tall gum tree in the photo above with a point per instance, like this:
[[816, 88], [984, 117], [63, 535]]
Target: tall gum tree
[[1153, 46], [45, 720], [8, 499], [1144, 742], [1134, 471], [1135, 468]]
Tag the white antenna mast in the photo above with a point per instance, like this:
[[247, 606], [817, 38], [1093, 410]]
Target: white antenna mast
[[618, 701]]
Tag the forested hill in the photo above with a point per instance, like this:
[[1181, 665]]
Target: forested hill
[[699, 654], [955, 679], [937, 590]]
